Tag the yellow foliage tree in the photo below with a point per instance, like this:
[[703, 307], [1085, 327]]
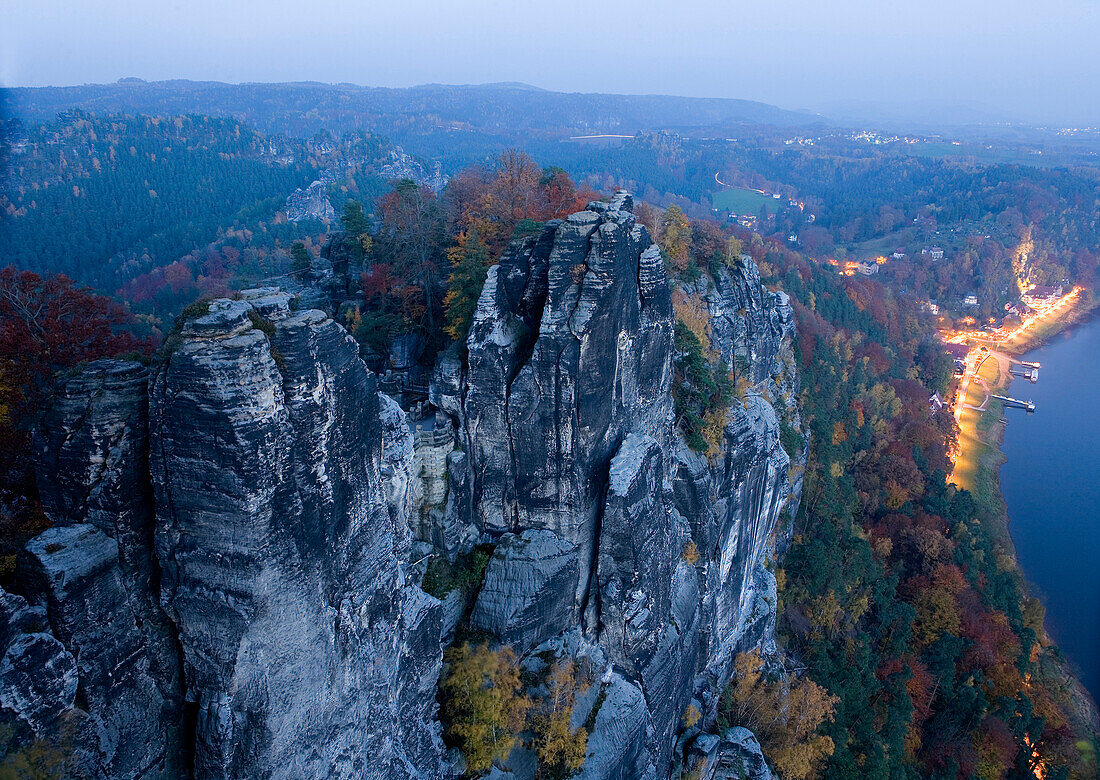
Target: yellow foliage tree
[[483, 705], [470, 263], [714, 426], [783, 714], [693, 312], [676, 237], [937, 614], [732, 256], [559, 746]]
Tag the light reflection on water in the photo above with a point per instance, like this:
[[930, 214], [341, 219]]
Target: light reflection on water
[[1051, 483]]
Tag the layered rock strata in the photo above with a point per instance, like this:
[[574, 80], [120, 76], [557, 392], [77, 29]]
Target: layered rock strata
[[223, 593], [605, 522], [228, 587], [307, 653]]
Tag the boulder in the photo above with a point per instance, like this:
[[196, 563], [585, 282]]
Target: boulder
[[526, 596]]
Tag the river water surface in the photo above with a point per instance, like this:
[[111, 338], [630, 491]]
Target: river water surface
[[1051, 483]]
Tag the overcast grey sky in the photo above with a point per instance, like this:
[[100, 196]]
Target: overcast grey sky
[[1036, 61]]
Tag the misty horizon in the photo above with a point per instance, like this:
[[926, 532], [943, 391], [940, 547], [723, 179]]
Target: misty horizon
[[974, 62]]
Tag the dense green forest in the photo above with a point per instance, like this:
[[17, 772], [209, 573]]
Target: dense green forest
[[161, 210], [306, 108]]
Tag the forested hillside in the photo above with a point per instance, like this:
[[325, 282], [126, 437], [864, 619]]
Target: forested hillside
[[110, 200], [162, 209], [306, 108], [898, 589]]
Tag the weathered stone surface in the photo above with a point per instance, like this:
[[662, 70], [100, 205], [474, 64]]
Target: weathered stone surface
[[569, 351], [91, 449], [74, 572], [310, 203], [402, 165], [739, 756], [305, 648], [638, 543], [397, 471], [734, 502], [92, 465], [38, 676], [618, 747], [526, 596], [565, 409], [95, 571], [750, 326]]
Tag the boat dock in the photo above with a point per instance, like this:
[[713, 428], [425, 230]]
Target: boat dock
[[1025, 372], [1028, 406]]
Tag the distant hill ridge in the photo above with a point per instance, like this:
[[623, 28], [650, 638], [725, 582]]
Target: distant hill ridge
[[308, 107]]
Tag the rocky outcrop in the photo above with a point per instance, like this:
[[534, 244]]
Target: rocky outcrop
[[310, 203], [527, 594], [224, 591], [565, 411], [402, 165], [74, 572], [734, 501], [94, 575], [736, 757], [38, 675], [228, 589], [306, 650]]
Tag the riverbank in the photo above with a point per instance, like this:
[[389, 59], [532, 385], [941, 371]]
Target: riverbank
[[978, 462], [978, 455]]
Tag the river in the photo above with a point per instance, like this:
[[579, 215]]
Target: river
[[1051, 483]]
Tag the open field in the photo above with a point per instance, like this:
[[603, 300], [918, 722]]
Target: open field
[[744, 202]]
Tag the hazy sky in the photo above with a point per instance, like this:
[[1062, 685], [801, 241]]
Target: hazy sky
[[1037, 61]]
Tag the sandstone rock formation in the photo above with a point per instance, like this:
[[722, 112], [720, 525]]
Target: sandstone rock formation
[[224, 583], [305, 648], [229, 587], [310, 203], [577, 471]]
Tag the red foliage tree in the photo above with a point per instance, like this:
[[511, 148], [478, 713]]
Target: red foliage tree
[[46, 324]]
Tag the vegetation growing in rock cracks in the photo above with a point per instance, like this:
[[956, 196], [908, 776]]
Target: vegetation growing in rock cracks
[[701, 391], [559, 746], [784, 713], [465, 574], [483, 706]]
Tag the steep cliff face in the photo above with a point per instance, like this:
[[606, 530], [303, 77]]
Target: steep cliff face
[[569, 352], [735, 500], [223, 593], [606, 524], [306, 651], [228, 589], [94, 575]]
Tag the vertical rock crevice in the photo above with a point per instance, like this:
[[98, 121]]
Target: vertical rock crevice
[[226, 589], [594, 459]]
